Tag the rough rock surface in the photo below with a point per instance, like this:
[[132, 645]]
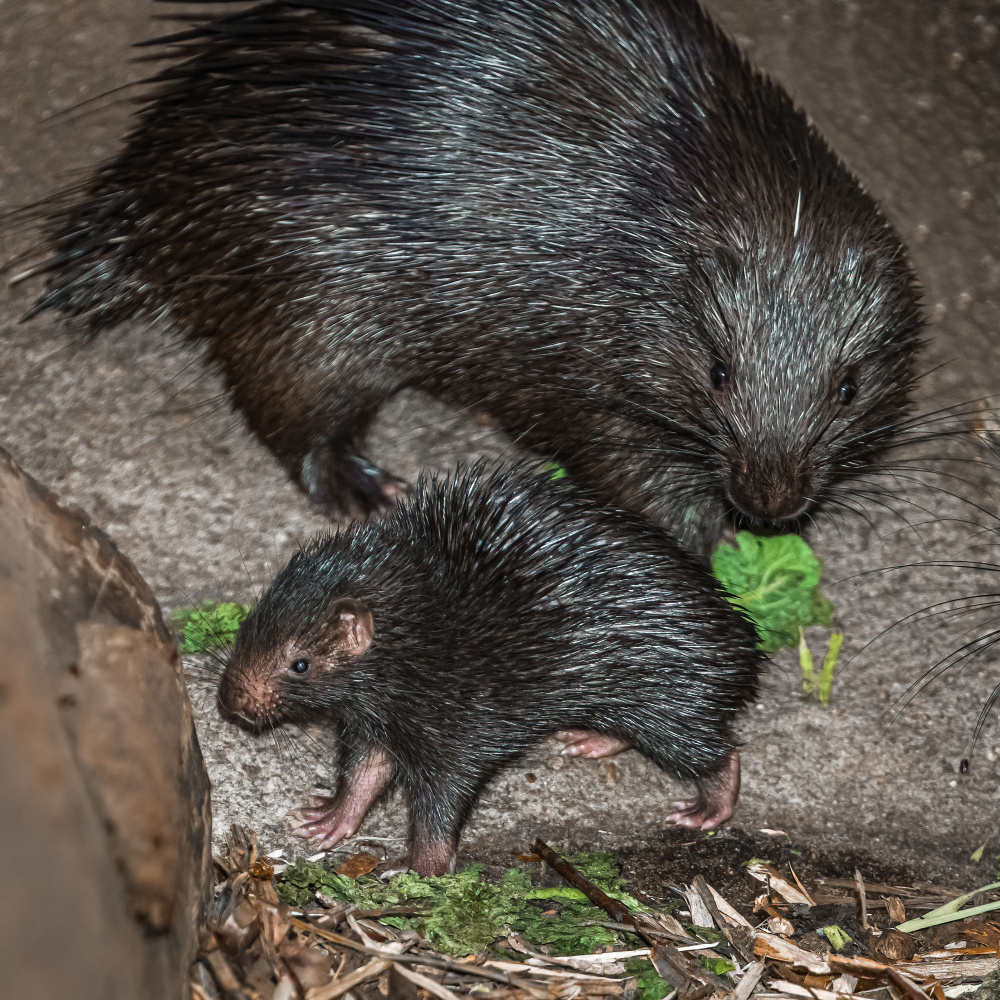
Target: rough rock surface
[[105, 816]]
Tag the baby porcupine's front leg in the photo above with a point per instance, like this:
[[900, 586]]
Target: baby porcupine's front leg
[[331, 820]]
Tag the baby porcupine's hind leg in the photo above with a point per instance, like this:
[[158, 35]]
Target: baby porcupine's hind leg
[[365, 776], [587, 743], [717, 795]]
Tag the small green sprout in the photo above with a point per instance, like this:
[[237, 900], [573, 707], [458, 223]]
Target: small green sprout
[[819, 687], [837, 936]]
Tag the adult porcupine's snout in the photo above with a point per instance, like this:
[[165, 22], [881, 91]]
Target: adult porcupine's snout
[[770, 491]]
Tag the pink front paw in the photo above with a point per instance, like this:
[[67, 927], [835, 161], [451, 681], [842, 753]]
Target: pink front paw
[[586, 743], [323, 820]]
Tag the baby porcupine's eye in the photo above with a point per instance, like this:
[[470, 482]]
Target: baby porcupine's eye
[[846, 391], [300, 666], [719, 375]]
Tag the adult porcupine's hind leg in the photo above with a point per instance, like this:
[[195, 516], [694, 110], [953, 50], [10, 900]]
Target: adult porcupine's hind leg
[[314, 413]]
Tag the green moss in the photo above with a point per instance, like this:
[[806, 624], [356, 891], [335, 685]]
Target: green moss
[[463, 914], [209, 626], [649, 986]]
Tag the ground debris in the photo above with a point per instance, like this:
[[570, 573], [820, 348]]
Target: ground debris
[[358, 936]]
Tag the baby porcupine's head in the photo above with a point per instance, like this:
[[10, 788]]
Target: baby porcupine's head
[[287, 652]]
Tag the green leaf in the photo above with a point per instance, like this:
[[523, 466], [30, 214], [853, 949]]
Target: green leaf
[[775, 579], [717, 966], [209, 626], [837, 936], [952, 911]]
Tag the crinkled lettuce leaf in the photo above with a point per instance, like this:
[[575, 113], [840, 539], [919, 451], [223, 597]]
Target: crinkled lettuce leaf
[[775, 579]]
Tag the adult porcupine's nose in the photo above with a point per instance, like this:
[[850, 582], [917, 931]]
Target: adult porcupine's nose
[[768, 493]]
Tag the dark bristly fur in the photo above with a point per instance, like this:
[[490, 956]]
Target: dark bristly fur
[[504, 608], [567, 213]]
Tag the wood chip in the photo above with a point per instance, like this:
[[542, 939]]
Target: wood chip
[[897, 912], [700, 914], [731, 914], [748, 982], [791, 894], [962, 968], [793, 989], [778, 948], [844, 983], [358, 864], [732, 924], [780, 925]]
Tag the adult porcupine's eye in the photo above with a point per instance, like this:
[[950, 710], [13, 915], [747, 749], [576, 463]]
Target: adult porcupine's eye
[[719, 375], [847, 391], [300, 666]]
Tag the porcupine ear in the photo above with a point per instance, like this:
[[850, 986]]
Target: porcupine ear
[[353, 626]]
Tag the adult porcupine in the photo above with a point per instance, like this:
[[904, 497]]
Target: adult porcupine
[[590, 217]]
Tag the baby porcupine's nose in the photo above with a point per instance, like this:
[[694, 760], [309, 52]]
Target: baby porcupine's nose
[[240, 699], [769, 494]]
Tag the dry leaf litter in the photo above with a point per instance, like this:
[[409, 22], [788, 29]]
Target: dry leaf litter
[[831, 940]]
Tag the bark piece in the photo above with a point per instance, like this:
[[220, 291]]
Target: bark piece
[[103, 792]]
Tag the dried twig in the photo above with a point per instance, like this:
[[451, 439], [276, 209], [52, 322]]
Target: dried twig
[[671, 966], [859, 883]]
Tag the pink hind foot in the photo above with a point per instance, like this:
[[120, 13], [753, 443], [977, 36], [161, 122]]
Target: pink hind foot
[[716, 799], [586, 743]]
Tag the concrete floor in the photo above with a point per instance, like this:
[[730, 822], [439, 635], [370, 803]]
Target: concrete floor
[[131, 429]]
